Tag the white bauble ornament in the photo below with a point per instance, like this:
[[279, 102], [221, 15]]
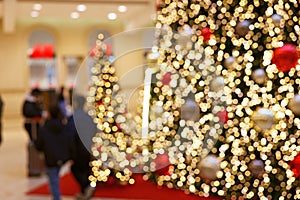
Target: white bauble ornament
[[257, 168], [276, 19], [217, 84], [264, 118], [209, 167], [190, 110], [294, 104], [259, 76], [229, 62], [242, 28], [185, 37]]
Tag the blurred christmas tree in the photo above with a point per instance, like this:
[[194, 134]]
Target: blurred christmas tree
[[255, 48], [117, 145]]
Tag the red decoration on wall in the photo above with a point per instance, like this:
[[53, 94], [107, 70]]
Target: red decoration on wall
[[42, 51], [166, 79], [206, 33], [285, 57], [295, 166]]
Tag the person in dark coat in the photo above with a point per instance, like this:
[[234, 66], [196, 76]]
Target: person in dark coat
[[32, 112], [84, 129], [54, 140]]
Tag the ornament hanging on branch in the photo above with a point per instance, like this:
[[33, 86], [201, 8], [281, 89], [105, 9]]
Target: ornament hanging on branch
[[229, 62], [259, 76], [242, 28], [206, 33], [166, 79], [217, 84], [256, 168], [162, 164], [223, 116], [158, 5], [190, 110], [294, 104], [264, 118], [276, 19], [185, 37], [295, 166], [209, 167], [285, 57]]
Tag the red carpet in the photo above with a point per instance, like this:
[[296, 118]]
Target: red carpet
[[140, 190]]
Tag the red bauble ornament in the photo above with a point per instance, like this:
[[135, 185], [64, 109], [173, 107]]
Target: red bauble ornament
[[223, 116], [93, 51], [162, 164], [206, 33], [285, 57], [295, 166], [158, 5], [166, 79], [108, 49]]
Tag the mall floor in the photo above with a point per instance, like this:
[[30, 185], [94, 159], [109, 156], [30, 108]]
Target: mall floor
[[14, 182]]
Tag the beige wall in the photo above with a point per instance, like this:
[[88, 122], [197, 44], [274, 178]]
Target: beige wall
[[71, 39]]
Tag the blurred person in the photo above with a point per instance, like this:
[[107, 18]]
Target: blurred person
[[32, 112], [62, 101], [1, 112], [84, 129], [54, 140]]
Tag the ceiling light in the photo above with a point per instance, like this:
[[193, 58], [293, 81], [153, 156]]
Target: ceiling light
[[34, 14], [122, 8], [112, 16], [81, 8], [75, 15], [37, 6]]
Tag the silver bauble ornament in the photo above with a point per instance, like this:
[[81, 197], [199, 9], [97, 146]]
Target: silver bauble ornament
[[257, 168], [217, 84], [229, 62], [209, 167], [264, 118], [242, 28], [276, 19], [259, 76], [294, 104], [190, 110]]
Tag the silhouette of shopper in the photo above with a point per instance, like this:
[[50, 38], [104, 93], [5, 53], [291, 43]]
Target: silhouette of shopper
[[84, 130]]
